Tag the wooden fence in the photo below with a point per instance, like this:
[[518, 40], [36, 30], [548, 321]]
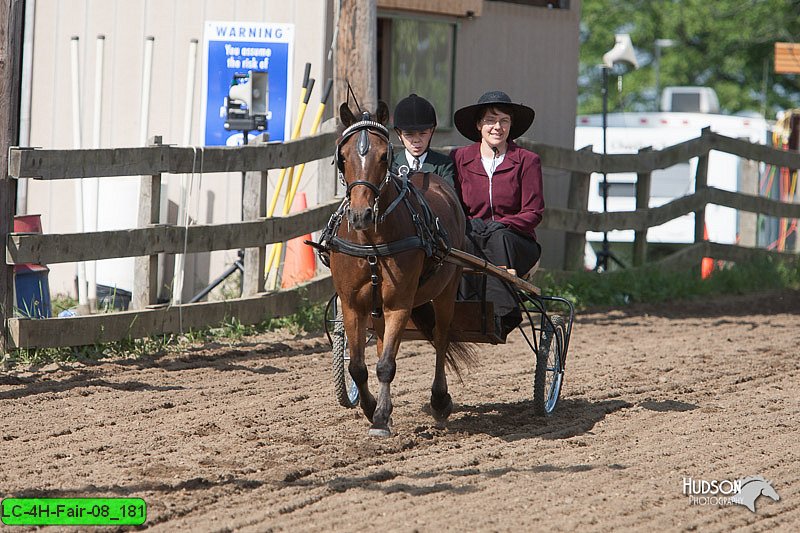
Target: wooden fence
[[150, 239], [575, 220]]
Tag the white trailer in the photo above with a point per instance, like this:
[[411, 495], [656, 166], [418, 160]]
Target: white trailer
[[627, 133]]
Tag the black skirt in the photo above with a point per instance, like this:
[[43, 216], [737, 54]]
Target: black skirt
[[502, 247]]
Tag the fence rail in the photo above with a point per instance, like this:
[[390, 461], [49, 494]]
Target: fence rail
[[68, 247], [102, 328], [253, 234], [161, 159], [575, 220]]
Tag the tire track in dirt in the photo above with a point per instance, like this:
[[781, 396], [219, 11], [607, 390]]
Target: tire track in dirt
[[249, 438]]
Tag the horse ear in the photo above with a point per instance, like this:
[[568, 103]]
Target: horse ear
[[382, 114], [345, 115]]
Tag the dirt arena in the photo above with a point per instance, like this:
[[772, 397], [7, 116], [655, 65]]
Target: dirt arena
[[249, 438]]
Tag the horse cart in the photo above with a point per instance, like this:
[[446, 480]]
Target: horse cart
[[545, 332], [394, 247]]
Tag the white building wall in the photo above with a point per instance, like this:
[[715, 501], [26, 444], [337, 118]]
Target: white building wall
[[529, 52], [126, 24]]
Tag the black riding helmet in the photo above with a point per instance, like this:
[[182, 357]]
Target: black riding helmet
[[414, 113]]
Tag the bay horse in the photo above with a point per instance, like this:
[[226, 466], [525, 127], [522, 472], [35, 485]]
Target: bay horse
[[386, 244]]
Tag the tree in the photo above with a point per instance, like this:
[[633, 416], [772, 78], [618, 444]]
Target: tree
[[725, 44]]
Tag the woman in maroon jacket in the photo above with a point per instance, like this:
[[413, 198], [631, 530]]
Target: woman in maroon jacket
[[500, 186]]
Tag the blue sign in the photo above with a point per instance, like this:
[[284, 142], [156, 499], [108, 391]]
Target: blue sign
[[232, 50]]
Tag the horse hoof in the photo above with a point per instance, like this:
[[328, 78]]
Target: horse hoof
[[444, 414], [441, 415], [380, 432]]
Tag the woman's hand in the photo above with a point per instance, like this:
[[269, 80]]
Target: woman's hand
[[494, 225], [478, 225], [485, 227]]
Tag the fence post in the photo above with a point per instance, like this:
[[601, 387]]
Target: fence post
[[577, 199], [12, 18], [643, 180], [700, 183], [145, 275], [748, 184], [254, 206]]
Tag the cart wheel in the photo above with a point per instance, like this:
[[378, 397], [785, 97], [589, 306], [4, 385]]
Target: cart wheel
[[549, 374], [344, 387]]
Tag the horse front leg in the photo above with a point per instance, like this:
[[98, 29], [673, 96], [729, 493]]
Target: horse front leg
[[394, 326], [355, 327]]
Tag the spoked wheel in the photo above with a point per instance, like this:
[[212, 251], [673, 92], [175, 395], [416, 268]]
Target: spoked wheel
[[343, 385], [549, 374]]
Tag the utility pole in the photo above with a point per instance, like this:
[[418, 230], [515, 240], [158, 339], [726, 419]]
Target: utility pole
[[356, 53], [12, 16]]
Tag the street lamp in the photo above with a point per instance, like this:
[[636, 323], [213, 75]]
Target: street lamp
[[621, 53], [660, 43]]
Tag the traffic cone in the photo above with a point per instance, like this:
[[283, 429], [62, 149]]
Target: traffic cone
[[299, 264], [707, 264]]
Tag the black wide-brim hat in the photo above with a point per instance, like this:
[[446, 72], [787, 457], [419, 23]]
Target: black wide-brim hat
[[466, 118]]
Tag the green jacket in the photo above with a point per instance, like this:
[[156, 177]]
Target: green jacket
[[435, 162]]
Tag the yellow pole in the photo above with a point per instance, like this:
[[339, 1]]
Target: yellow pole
[[287, 205], [298, 127], [300, 112]]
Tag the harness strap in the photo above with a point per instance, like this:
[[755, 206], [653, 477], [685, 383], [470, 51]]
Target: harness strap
[[377, 310], [379, 250]]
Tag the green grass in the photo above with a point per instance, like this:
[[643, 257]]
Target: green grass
[[653, 285], [308, 319]]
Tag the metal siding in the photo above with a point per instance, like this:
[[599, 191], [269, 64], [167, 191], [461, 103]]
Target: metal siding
[[529, 52], [532, 54], [485, 48], [126, 23]]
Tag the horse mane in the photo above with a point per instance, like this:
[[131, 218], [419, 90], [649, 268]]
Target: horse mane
[[458, 353], [750, 479]]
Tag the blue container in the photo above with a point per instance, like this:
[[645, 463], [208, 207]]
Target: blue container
[[33, 290]]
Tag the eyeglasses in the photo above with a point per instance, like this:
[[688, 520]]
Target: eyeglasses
[[504, 122]]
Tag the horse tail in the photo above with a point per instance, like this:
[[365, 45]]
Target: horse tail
[[458, 354]]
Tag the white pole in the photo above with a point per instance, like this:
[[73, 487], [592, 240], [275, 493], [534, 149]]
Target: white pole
[[146, 75], [183, 208], [93, 185], [144, 120], [189, 103], [83, 303], [25, 100]]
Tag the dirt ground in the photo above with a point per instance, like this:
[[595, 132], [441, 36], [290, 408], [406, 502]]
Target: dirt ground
[[248, 437]]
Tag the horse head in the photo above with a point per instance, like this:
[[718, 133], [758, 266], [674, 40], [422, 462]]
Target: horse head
[[752, 488], [363, 160]]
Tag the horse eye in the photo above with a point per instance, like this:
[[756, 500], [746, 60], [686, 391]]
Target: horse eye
[[385, 157]]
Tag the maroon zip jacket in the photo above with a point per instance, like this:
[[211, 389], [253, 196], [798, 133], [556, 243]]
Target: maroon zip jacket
[[517, 198]]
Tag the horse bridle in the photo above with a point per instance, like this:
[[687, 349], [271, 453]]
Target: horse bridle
[[363, 127]]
